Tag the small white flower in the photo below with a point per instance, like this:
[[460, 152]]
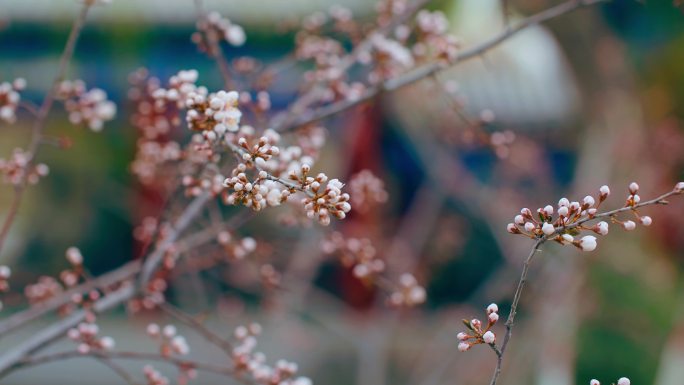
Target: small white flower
[[74, 256], [624, 381]]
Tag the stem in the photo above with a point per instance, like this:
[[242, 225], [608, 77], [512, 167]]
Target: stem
[[39, 123]]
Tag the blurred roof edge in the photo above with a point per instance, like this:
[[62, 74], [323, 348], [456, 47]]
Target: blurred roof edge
[[172, 11]]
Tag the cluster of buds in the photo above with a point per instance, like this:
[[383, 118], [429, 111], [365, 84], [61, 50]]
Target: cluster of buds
[[245, 359], [236, 249], [154, 377], [476, 334], [409, 293], [257, 194], [10, 98], [196, 186], [571, 217], [85, 334], [43, 290], [156, 112], [355, 253], [88, 107], [5, 273], [390, 56], [19, 166], [367, 190], [71, 276], [259, 152], [433, 40], [150, 156], [327, 201], [170, 342], [621, 381], [215, 23], [213, 114]]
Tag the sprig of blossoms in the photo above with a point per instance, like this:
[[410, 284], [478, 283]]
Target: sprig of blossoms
[[621, 381], [213, 114], [569, 218], [408, 293], [236, 249], [247, 360], [476, 334], [226, 29], [367, 190], [88, 107], [170, 342], [86, 335], [18, 168], [10, 98]]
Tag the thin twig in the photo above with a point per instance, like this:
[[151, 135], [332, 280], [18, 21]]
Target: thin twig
[[39, 123], [116, 368], [189, 320]]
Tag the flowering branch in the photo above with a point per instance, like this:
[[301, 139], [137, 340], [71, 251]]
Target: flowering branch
[[433, 68], [572, 217], [41, 116]]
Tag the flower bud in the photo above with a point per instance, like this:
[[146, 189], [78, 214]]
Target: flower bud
[[489, 337], [629, 225], [588, 243]]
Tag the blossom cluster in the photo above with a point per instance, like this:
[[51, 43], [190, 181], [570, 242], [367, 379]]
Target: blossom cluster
[[86, 335], [358, 254], [367, 190], [476, 334], [170, 342], [10, 98], [236, 249], [88, 107], [18, 168], [154, 377], [570, 218], [408, 294], [247, 360], [226, 29]]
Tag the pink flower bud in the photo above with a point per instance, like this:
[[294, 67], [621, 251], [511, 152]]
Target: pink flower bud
[[492, 308], [624, 381], [463, 346], [462, 336], [529, 227], [633, 188], [604, 190], [489, 337], [493, 317], [646, 220], [594, 382]]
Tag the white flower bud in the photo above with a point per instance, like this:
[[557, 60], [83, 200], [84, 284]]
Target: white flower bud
[[462, 336], [548, 228], [529, 226], [633, 187], [568, 238], [629, 225], [563, 202], [588, 201], [679, 187], [604, 190], [74, 256], [588, 243], [563, 211], [463, 346], [624, 381], [489, 337], [594, 382], [601, 228], [646, 220], [492, 308]]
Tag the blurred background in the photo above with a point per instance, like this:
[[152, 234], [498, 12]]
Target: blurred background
[[595, 97]]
